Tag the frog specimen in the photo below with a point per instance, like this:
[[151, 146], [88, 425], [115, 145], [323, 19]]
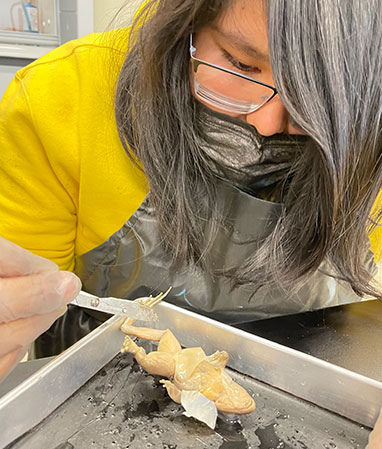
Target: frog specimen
[[188, 370]]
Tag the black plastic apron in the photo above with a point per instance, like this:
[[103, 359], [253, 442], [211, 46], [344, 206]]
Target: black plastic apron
[[132, 263]]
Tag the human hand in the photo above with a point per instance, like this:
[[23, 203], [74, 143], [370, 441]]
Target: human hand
[[33, 294], [375, 438]]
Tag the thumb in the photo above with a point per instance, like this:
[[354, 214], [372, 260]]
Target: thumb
[[375, 437]]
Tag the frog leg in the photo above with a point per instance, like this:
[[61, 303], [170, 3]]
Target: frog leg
[[218, 359], [169, 343], [172, 390], [142, 332], [167, 340], [158, 363]]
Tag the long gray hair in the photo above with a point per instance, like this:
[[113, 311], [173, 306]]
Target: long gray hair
[[327, 66]]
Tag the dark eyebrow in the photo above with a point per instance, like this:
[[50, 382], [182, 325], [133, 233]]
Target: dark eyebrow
[[238, 41]]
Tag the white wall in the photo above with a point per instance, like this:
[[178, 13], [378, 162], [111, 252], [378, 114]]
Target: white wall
[[6, 75], [105, 10], [85, 17]]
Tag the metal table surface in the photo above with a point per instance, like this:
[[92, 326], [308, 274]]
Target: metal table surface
[[349, 336]]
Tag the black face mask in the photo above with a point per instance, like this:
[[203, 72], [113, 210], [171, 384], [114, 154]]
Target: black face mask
[[256, 164]]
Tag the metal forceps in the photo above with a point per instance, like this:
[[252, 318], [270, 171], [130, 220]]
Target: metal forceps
[[139, 308]]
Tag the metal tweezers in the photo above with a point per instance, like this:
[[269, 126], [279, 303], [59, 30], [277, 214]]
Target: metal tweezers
[[139, 308]]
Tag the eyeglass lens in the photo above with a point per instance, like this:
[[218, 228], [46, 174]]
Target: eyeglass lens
[[228, 91]]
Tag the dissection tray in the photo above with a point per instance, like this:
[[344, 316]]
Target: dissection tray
[[302, 402]]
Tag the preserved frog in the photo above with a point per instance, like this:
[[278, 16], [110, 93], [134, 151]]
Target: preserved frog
[[195, 380]]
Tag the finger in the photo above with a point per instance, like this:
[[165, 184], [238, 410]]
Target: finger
[[25, 296], [375, 437], [22, 332], [17, 261], [10, 360]]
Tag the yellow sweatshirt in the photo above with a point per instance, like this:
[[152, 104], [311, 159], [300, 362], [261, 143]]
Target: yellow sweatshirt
[[66, 183]]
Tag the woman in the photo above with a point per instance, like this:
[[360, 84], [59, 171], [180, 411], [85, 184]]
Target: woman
[[246, 216]]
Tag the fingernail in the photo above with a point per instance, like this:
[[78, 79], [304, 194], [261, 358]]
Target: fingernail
[[69, 285]]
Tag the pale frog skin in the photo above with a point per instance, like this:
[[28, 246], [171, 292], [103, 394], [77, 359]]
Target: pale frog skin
[[188, 369]]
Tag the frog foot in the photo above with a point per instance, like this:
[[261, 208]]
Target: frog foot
[[130, 346]]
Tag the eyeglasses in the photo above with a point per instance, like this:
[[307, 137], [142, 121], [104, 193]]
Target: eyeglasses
[[226, 89]]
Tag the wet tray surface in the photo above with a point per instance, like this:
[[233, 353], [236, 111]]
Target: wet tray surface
[[123, 407]]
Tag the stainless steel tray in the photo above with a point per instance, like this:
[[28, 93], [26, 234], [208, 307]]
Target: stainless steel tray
[[329, 387]]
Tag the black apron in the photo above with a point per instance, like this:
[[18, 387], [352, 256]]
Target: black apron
[[132, 263]]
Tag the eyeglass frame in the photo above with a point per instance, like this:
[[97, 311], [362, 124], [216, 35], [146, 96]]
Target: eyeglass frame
[[196, 62]]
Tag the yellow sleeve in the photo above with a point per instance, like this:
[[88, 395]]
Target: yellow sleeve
[[37, 203], [376, 234], [66, 182]]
